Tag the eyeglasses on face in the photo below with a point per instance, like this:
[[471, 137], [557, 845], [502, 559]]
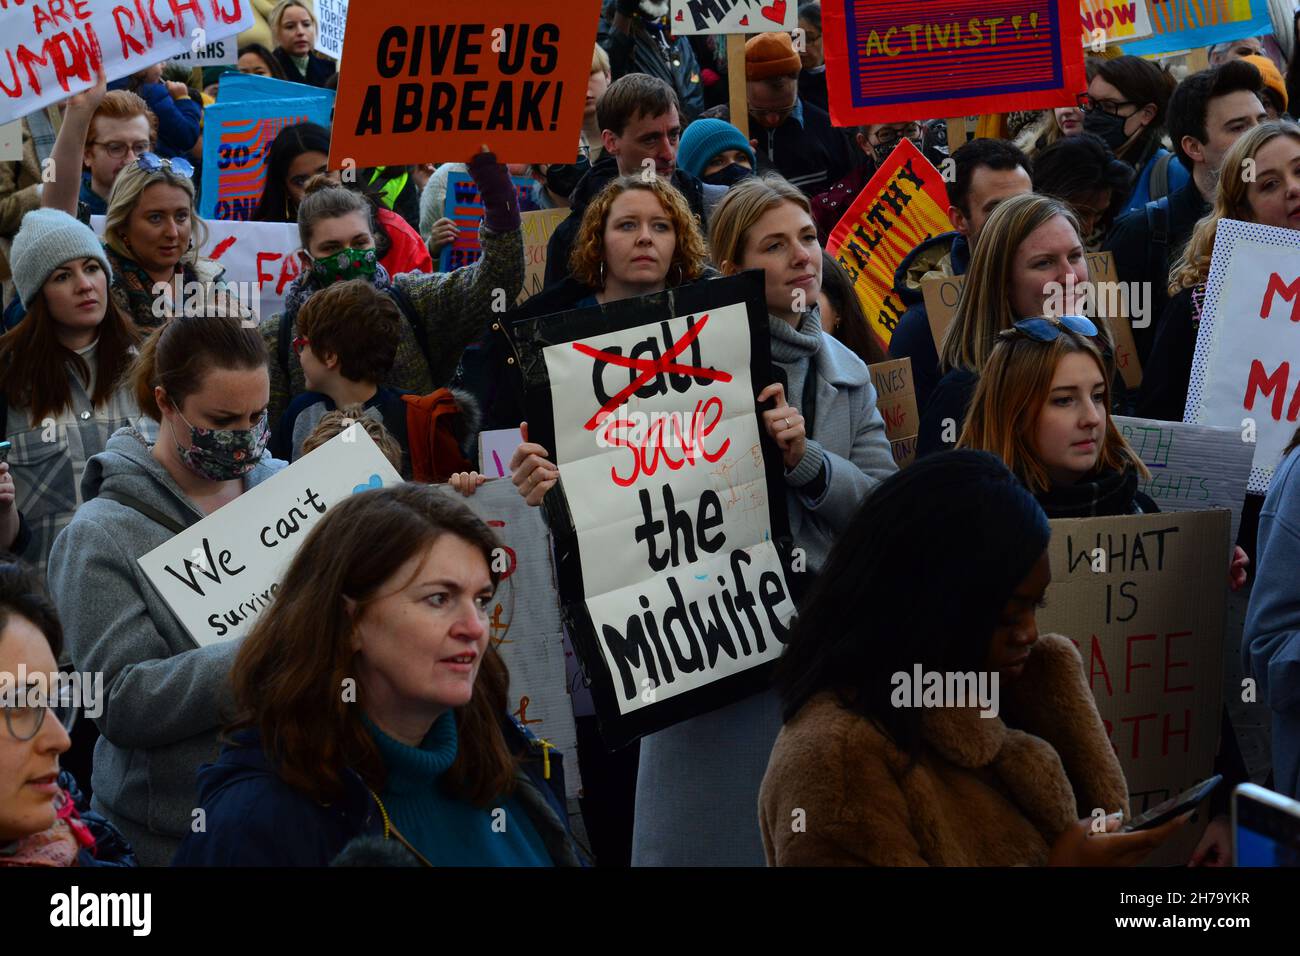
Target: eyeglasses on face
[[117, 150], [1049, 329], [152, 162], [25, 722], [892, 134], [1110, 107]]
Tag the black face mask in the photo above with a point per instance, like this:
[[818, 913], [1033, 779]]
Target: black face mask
[[728, 175], [1109, 128], [560, 179]]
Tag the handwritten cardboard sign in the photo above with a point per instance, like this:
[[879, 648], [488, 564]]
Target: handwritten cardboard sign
[[464, 205], [1188, 24], [670, 504], [896, 400], [54, 48], [524, 620], [217, 53], [1105, 304], [259, 257], [687, 17], [219, 574], [1143, 599], [331, 23], [1193, 467], [414, 88], [537, 226], [904, 204], [1113, 21], [890, 62], [1241, 374]]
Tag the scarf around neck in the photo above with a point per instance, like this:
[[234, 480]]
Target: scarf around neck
[[790, 344], [306, 285], [1110, 493]]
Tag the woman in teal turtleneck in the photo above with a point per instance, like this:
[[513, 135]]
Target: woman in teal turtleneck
[[370, 703]]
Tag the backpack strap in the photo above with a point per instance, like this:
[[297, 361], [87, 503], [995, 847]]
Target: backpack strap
[[149, 511], [1158, 188], [1157, 214]]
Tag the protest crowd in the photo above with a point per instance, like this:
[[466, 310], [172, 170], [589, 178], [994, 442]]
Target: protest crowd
[[275, 459]]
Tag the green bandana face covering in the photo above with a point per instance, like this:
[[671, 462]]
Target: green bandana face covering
[[345, 264]]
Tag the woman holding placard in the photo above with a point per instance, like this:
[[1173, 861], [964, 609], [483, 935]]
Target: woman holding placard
[[1269, 196], [293, 28], [370, 706], [204, 380]]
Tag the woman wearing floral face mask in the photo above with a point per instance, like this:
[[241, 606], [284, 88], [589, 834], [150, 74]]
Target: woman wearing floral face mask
[[204, 380], [444, 312]]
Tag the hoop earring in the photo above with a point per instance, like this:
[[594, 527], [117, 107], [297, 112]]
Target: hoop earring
[[681, 275], [602, 273]]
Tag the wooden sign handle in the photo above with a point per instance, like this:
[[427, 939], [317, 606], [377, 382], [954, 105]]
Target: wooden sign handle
[[956, 132], [739, 102]]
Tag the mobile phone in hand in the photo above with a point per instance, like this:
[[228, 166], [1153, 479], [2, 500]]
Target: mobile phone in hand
[[1174, 806]]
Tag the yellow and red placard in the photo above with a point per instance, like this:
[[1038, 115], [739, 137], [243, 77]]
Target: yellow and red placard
[[890, 62], [904, 204], [431, 82]]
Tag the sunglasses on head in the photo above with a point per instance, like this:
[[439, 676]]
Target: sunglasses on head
[[1049, 329], [152, 162]]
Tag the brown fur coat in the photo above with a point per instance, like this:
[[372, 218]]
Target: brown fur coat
[[984, 791]]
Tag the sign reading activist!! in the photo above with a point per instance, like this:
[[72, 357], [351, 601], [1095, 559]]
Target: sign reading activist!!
[[669, 515], [54, 48], [1143, 599], [414, 87], [219, 574], [904, 204], [889, 62], [1242, 375], [1193, 467], [733, 16]]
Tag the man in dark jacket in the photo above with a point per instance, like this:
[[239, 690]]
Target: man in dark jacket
[[875, 142], [636, 35], [1208, 112], [639, 122], [987, 172], [791, 135]]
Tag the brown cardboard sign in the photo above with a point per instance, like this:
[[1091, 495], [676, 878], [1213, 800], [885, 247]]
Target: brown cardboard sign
[[896, 400], [537, 227], [1108, 305], [1143, 599]]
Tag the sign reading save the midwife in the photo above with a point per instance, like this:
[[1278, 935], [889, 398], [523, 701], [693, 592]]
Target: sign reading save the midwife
[[219, 574], [669, 516]]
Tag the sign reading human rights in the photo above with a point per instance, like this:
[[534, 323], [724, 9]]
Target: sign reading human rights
[[1244, 371], [904, 204], [669, 515], [415, 87], [54, 48], [891, 62], [218, 575]]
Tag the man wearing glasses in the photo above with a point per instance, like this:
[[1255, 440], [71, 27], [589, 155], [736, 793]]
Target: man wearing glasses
[[122, 129], [876, 141], [791, 135]]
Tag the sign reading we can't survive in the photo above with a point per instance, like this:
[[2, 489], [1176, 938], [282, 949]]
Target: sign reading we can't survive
[[424, 81], [669, 516]]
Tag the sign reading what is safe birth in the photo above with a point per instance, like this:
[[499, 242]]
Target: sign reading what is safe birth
[[1245, 374], [1143, 599], [54, 48], [220, 573], [678, 592], [891, 62], [415, 87]]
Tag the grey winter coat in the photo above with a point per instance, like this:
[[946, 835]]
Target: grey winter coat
[[698, 781], [163, 694]]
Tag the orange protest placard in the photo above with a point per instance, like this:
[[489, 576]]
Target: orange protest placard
[[418, 86], [904, 204]]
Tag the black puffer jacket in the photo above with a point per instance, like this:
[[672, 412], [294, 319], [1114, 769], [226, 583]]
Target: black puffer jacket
[[651, 49]]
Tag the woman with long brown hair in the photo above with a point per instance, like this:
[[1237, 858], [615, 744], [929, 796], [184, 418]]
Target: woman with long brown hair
[[371, 702], [60, 394]]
